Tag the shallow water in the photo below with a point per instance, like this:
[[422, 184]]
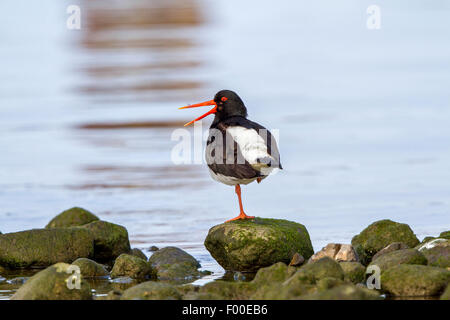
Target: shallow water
[[86, 116]]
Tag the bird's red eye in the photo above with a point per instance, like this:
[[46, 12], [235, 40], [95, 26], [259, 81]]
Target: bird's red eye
[[224, 98]]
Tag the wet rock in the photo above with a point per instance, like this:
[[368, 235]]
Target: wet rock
[[72, 218], [405, 256], [380, 234], [134, 267], [414, 280], [173, 263], [445, 235], [248, 245], [446, 294], [53, 284], [44, 247], [336, 251], [112, 295], [344, 292], [90, 268], [297, 260], [151, 290], [354, 272], [277, 272], [138, 253], [110, 240], [153, 248], [437, 252], [392, 247]]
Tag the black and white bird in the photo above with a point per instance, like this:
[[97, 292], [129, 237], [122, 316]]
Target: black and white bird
[[238, 151]]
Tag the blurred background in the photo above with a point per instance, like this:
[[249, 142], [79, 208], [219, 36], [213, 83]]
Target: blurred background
[[86, 115]]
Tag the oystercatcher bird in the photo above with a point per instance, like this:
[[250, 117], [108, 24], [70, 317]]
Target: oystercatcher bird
[[238, 151]]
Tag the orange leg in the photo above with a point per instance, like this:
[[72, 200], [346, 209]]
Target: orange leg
[[242, 214]]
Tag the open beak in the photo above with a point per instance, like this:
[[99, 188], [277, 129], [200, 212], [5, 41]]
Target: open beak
[[206, 103]]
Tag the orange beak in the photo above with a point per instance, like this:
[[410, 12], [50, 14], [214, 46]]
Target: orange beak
[[206, 103]]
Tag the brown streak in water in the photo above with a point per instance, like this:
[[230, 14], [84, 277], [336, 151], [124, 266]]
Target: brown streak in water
[[132, 125]]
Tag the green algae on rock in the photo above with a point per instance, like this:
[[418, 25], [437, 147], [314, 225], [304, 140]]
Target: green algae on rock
[[277, 272], [133, 267], [72, 218], [174, 263], [110, 240], [90, 268], [343, 292], [446, 294], [248, 245], [138, 253], [380, 234], [44, 247], [414, 280], [392, 247], [354, 272], [437, 252], [445, 235], [405, 256], [54, 283], [151, 290]]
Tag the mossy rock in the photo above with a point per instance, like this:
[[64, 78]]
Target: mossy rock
[[437, 252], [110, 240], [133, 267], [72, 218], [354, 272], [390, 248], [53, 284], [380, 234], [248, 245], [227, 290], [445, 235], [174, 263], [138, 253], [90, 268], [405, 256], [44, 247], [414, 280], [277, 272], [322, 268], [151, 290], [446, 294], [344, 292]]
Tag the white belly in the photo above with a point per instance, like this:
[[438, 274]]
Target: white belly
[[231, 181]]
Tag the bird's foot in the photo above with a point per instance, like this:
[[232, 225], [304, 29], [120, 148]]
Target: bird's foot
[[241, 216]]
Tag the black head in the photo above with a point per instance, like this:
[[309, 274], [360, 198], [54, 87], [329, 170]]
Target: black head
[[229, 104], [226, 104]]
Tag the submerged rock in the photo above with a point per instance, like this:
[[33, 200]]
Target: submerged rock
[[414, 280], [173, 263], [138, 253], [354, 272], [133, 267], [53, 283], [248, 245], [72, 218], [344, 292], [380, 234], [437, 252], [336, 251], [44, 247], [392, 247], [405, 256], [110, 240], [90, 268], [151, 290]]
